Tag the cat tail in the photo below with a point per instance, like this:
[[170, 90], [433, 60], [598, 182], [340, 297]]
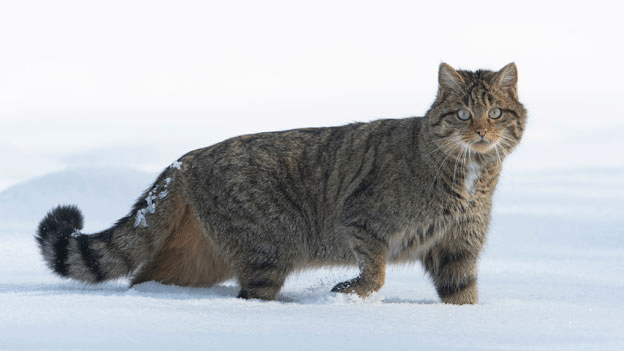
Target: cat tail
[[122, 249]]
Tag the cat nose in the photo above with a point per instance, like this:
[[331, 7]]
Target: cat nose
[[481, 132]]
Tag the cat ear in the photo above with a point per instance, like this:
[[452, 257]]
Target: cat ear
[[449, 80], [507, 79]]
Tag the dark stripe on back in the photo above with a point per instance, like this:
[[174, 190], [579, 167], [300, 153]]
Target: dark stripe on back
[[89, 256]]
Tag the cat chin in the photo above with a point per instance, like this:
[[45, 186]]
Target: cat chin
[[482, 146]]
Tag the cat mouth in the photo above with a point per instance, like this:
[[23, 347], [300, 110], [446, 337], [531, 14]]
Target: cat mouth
[[482, 145]]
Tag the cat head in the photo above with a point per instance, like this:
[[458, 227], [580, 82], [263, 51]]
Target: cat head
[[477, 112]]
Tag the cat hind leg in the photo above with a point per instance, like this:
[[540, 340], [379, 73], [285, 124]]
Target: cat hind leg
[[262, 280]]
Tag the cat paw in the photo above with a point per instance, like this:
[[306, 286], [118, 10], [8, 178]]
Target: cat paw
[[359, 286], [344, 287], [463, 294]]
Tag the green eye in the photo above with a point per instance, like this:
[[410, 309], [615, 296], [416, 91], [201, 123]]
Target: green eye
[[495, 113], [463, 114]]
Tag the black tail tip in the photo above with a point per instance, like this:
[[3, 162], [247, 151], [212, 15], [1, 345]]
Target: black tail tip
[[62, 221]]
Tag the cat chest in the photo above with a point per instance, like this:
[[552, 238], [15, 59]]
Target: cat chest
[[473, 173], [412, 241]]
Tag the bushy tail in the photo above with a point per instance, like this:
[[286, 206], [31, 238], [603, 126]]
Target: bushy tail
[[120, 250]]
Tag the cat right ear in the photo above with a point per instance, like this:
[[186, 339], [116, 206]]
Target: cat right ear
[[449, 80], [507, 80]]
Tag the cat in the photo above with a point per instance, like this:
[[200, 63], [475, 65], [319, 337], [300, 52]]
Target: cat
[[258, 207]]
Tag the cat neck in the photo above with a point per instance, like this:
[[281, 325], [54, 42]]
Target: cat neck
[[467, 172]]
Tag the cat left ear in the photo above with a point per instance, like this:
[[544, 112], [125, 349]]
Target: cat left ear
[[507, 79], [450, 81]]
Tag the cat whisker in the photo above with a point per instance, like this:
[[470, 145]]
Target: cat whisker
[[502, 147], [498, 156], [440, 167], [507, 141], [460, 156], [442, 147], [449, 141], [445, 143]]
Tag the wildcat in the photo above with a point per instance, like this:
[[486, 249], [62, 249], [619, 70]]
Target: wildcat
[[258, 207]]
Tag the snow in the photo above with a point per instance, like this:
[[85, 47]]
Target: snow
[[551, 278], [140, 218], [149, 209], [176, 165]]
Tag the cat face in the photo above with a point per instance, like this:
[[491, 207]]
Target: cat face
[[477, 112]]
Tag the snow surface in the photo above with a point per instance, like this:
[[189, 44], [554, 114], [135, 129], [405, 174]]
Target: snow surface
[[551, 278]]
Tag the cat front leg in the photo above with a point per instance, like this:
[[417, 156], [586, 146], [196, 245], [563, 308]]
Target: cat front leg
[[452, 264], [371, 254]]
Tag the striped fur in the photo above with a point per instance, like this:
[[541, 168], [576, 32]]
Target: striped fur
[[259, 207]]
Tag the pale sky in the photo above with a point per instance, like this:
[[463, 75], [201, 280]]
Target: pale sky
[[138, 83]]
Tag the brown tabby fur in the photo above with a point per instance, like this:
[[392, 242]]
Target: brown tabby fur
[[258, 207]]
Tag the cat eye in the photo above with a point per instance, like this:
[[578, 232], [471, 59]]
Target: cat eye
[[495, 113], [463, 114]]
